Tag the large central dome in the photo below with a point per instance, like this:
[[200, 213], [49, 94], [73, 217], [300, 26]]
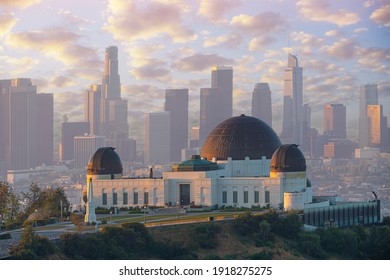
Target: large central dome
[[240, 137]]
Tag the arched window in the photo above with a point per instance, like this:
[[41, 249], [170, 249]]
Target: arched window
[[104, 197], [114, 197]]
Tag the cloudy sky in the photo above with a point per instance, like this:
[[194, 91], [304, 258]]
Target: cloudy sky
[[174, 43]]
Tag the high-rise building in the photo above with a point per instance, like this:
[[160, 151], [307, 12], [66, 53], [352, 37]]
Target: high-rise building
[[45, 129], [377, 126], [335, 121], [157, 137], [84, 147], [176, 102], [113, 110], [222, 77], [92, 99], [368, 96], [26, 125], [292, 129], [261, 103], [210, 108], [69, 130]]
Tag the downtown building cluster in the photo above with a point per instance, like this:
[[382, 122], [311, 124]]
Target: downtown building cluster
[[27, 121]]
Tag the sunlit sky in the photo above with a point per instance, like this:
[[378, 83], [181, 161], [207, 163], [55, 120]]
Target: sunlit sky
[[164, 44]]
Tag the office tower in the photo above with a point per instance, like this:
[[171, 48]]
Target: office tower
[[194, 141], [335, 121], [339, 148], [306, 140], [261, 103], [222, 77], [126, 147], [84, 147], [176, 102], [377, 126], [45, 129], [4, 85], [26, 125], [92, 99], [69, 130], [368, 96], [210, 108], [113, 110], [292, 102], [157, 137]]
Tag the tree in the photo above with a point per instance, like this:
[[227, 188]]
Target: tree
[[265, 234], [48, 201], [9, 203], [32, 246]]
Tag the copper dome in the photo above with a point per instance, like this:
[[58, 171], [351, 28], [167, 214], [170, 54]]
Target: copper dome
[[105, 161], [288, 158], [240, 137]]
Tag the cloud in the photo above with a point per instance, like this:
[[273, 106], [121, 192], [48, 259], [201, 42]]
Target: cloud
[[360, 30], [153, 69], [132, 20], [216, 9], [62, 81], [231, 40], [61, 45], [334, 33], [259, 24], [259, 43], [12, 67], [7, 22], [344, 49], [18, 3], [375, 59], [381, 16], [201, 62], [320, 11]]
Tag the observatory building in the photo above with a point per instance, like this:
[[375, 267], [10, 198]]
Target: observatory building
[[241, 164]]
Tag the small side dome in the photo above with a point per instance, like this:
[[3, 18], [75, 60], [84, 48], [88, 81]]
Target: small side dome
[[288, 158], [105, 161]]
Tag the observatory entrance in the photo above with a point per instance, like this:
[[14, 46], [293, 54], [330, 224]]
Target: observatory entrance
[[184, 194]]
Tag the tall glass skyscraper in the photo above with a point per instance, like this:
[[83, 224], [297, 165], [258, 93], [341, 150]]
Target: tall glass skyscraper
[[292, 129], [368, 96]]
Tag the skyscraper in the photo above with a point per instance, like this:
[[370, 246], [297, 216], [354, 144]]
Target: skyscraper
[[84, 147], [368, 96], [26, 125], [210, 108], [113, 110], [377, 127], [92, 99], [176, 102], [45, 128], [293, 102], [157, 137], [261, 103], [69, 130], [222, 77], [335, 121]]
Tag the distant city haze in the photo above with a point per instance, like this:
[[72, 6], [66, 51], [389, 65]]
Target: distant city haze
[[104, 64]]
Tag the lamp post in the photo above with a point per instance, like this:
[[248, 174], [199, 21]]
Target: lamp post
[[145, 214], [177, 204], [110, 218], [61, 209], [36, 217]]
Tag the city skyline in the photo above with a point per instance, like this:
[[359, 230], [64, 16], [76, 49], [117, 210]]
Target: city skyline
[[64, 52]]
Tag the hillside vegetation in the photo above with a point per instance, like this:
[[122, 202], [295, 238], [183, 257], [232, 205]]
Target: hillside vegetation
[[267, 236]]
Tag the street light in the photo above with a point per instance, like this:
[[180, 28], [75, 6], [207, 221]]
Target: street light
[[61, 209], [145, 213], [36, 217], [177, 204], [110, 218]]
